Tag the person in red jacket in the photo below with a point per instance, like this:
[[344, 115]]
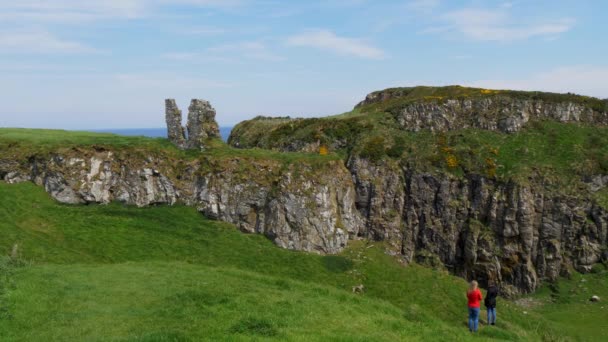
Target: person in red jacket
[[474, 298]]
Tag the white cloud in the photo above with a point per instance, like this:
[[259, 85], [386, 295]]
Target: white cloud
[[15, 42], [498, 25], [228, 53], [163, 81], [69, 11], [252, 50], [329, 41], [585, 80]]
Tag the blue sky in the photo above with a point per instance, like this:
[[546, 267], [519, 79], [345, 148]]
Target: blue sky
[[111, 63]]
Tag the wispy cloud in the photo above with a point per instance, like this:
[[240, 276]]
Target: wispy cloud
[[584, 79], [232, 52], [70, 11], [329, 41], [39, 42], [164, 81], [253, 49], [498, 24]]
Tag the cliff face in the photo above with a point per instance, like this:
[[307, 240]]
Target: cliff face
[[504, 111], [479, 228], [298, 207], [499, 114]]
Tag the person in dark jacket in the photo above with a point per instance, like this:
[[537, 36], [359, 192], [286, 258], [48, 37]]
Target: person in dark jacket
[[490, 303]]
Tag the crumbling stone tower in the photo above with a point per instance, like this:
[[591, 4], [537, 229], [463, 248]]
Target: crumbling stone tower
[[173, 117], [201, 124]]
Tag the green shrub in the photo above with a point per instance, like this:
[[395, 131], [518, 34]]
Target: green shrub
[[398, 148], [374, 148]]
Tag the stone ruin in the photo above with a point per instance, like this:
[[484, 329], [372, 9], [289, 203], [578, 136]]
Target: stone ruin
[[201, 124]]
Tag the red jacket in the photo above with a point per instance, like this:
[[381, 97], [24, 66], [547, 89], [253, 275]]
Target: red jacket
[[474, 298]]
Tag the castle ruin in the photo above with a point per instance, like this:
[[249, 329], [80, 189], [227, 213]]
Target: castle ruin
[[200, 127]]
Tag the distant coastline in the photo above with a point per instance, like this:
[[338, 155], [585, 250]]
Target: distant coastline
[[152, 132]]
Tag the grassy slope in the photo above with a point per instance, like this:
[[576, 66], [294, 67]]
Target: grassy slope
[[166, 274], [561, 153], [567, 304]]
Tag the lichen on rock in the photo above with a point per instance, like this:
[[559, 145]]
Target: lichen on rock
[[175, 130], [201, 123]]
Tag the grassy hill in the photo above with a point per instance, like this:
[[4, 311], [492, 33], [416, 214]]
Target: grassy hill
[[116, 273], [561, 152]]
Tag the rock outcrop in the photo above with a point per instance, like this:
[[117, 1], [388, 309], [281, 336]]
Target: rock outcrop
[[479, 228], [502, 114], [298, 206], [201, 123], [504, 111], [175, 130]]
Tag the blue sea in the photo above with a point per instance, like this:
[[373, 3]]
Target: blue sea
[[153, 132]]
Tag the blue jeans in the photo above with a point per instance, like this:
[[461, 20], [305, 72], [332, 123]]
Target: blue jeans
[[473, 319], [491, 315]]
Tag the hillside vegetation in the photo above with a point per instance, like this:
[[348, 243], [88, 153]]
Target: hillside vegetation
[[116, 273], [564, 152]]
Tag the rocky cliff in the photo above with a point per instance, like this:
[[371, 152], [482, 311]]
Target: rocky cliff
[[308, 207], [418, 196], [495, 110], [516, 235]]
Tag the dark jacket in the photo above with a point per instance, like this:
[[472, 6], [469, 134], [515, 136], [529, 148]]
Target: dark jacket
[[490, 301]]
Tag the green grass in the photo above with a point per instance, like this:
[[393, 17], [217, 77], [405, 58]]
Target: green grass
[[116, 273], [555, 150], [19, 144], [399, 97], [567, 304], [52, 139], [560, 152]]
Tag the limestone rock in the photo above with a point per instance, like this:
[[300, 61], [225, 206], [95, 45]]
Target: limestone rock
[[502, 112], [173, 117], [201, 123]]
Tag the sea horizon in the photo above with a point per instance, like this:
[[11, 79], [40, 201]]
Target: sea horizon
[[150, 132]]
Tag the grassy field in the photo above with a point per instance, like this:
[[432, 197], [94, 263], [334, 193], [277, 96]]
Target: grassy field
[[15, 143], [567, 305], [116, 273]]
